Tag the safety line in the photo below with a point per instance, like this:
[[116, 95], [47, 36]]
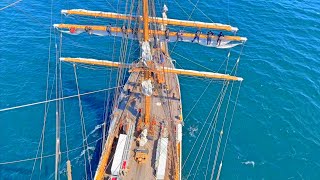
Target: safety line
[[57, 99], [12, 4]]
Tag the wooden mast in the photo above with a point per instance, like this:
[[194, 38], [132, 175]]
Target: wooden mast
[[147, 72], [145, 21]]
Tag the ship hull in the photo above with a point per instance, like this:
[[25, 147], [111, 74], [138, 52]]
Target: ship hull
[[126, 119]]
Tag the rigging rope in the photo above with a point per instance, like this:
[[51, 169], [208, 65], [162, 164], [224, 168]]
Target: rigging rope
[[221, 132], [189, 17], [12, 4], [194, 105], [220, 94], [228, 132], [214, 122], [48, 74], [195, 6], [57, 99], [63, 107], [211, 147], [46, 156], [106, 110], [46, 108], [132, 42], [229, 128], [193, 61], [58, 110], [207, 138], [83, 126]]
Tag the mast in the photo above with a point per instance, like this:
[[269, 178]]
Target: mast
[[147, 72], [145, 21]]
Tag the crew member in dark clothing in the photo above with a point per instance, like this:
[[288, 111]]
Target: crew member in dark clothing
[[219, 38], [179, 36], [209, 37], [167, 34], [88, 29], [109, 29], [162, 56], [197, 36], [135, 33], [124, 30], [155, 41]]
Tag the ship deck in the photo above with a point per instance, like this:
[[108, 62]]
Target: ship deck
[[165, 108]]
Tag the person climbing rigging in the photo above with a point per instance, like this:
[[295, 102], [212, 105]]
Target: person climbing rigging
[[197, 36], [219, 38]]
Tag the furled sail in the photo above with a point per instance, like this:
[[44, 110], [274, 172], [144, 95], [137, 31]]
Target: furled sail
[[136, 34]]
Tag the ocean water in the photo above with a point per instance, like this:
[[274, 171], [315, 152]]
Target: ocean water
[[275, 130]]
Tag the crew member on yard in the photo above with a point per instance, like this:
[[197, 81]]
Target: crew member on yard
[[88, 29], [109, 29], [124, 30], [179, 36], [219, 38], [197, 36], [209, 37]]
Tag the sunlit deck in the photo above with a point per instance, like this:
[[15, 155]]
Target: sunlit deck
[[165, 111]]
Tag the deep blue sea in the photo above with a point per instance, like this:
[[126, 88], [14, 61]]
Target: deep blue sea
[[275, 132]]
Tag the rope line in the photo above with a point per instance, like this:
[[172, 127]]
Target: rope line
[[47, 105], [48, 75], [214, 122], [12, 4], [83, 126], [208, 137], [189, 18], [107, 97], [193, 61], [46, 156], [229, 128], [205, 90], [220, 94], [57, 99]]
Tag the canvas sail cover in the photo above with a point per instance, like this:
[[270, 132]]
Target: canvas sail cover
[[147, 87], [224, 44], [146, 52], [143, 138]]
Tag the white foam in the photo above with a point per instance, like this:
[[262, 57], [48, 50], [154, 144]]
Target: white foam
[[192, 131], [249, 163]]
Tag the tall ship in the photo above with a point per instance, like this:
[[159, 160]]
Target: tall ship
[[142, 138]]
